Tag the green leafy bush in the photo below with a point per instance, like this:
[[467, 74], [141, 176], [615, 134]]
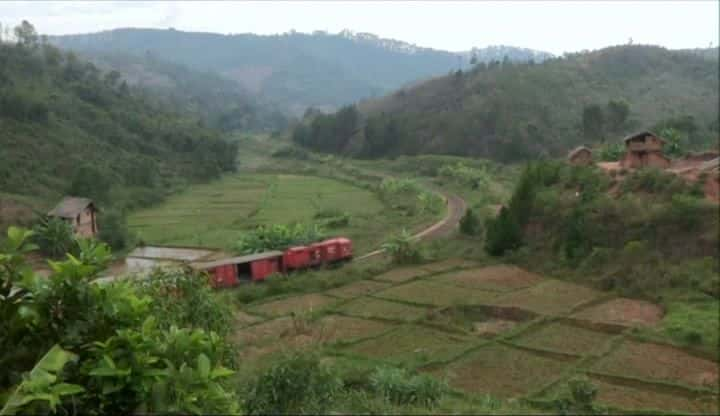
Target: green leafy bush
[[298, 384], [397, 386], [470, 223], [578, 398], [54, 236], [278, 237], [403, 249], [185, 299], [113, 229]]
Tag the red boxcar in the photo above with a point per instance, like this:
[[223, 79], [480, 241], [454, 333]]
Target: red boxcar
[[262, 268], [296, 258], [230, 271]]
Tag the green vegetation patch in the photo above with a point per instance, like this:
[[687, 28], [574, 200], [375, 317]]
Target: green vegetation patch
[[431, 293], [633, 396], [449, 264], [656, 362], [215, 214], [623, 311], [693, 323], [360, 288], [502, 371], [414, 345], [499, 278], [296, 304], [564, 338], [368, 307], [402, 274], [550, 297]]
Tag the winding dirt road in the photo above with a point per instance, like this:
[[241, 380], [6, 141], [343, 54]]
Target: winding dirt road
[[456, 207]]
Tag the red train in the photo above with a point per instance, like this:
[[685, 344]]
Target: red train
[[254, 267]]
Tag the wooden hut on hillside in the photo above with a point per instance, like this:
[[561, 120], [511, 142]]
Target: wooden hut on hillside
[[580, 156], [644, 149], [80, 213]]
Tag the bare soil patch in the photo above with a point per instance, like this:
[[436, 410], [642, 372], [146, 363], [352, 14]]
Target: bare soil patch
[[257, 334], [550, 297], [431, 293], [402, 275], [634, 398], [243, 319], [564, 338], [334, 328], [658, 362], [361, 288], [502, 371], [623, 311], [481, 320], [414, 345], [500, 278], [366, 307], [296, 304], [449, 265]]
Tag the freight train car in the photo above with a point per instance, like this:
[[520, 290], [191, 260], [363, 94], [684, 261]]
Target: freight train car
[[255, 267]]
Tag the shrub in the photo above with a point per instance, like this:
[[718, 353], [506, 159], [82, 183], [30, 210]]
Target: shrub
[[54, 236], [113, 229], [470, 223], [399, 387], [298, 384], [185, 299], [578, 398], [403, 249], [278, 237], [502, 233]]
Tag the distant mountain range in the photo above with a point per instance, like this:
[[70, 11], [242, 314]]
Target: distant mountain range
[[293, 70]]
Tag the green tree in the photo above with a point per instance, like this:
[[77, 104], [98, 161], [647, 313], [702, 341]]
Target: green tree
[[617, 112], [502, 233], [470, 223], [26, 34], [593, 122], [89, 182], [676, 143]]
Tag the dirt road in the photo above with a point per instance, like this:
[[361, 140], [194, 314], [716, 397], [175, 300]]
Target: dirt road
[[456, 207]]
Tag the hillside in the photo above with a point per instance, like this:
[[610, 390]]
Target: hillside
[[221, 102], [68, 126], [295, 70], [517, 111]]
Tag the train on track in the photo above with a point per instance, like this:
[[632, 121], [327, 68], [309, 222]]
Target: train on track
[[232, 271]]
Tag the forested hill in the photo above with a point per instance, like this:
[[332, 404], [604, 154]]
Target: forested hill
[[513, 111], [222, 103], [67, 127], [295, 70]]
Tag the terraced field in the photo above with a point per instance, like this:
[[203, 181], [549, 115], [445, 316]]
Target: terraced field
[[214, 214], [498, 330]]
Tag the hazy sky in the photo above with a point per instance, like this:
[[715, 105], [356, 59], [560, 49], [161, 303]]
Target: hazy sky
[[557, 27]]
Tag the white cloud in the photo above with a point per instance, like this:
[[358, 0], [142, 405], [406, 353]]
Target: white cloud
[[554, 26]]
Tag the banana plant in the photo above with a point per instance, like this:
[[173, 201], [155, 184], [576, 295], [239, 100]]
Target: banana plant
[[42, 388]]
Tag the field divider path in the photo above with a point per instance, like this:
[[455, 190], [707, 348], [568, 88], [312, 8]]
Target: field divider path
[[456, 207]]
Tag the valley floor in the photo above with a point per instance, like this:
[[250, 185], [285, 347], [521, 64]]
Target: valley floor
[[496, 330]]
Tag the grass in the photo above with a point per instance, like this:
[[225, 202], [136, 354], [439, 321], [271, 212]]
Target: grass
[[549, 297], [502, 371], [431, 293], [368, 307], [414, 345], [215, 214], [309, 303], [654, 362], [564, 338]]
